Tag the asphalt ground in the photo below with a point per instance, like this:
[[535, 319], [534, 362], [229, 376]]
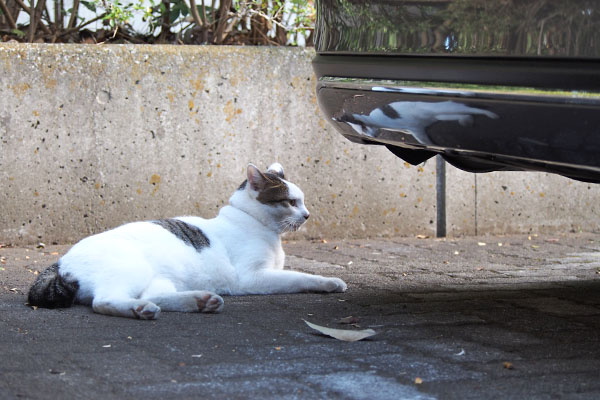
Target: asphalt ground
[[512, 317]]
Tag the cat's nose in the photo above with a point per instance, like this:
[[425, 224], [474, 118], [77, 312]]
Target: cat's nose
[[306, 215]]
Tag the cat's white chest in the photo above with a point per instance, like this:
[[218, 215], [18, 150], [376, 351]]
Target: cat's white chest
[[279, 258]]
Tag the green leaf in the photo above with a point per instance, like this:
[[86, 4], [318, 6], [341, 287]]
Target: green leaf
[[90, 5], [174, 14], [18, 32], [185, 10]]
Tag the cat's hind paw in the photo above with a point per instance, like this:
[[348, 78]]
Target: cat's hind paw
[[335, 285], [146, 310], [209, 302]]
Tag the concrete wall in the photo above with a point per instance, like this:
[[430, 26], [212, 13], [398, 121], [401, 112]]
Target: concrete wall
[[95, 136]]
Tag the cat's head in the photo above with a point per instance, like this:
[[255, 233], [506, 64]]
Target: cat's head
[[274, 201]]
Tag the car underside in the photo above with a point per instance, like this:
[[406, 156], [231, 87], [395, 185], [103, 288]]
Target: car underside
[[401, 74]]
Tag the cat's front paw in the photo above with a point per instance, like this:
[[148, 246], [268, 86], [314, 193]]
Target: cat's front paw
[[209, 302], [335, 285]]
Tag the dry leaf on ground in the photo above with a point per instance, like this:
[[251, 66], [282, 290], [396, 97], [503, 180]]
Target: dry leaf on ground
[[343, 334], [349, 320]]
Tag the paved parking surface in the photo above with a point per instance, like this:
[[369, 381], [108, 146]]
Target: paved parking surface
[[513, 317]]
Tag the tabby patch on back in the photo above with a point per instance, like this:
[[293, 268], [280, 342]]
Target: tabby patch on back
[[187, 233], [184, 264]]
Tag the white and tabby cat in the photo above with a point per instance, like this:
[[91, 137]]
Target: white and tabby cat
[[185, 263]]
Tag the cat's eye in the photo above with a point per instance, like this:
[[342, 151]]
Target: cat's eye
[[286, 202]]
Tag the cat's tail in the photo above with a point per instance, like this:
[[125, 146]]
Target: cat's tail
[[51, 290]]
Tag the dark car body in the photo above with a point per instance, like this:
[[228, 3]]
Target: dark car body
[[488, 84]]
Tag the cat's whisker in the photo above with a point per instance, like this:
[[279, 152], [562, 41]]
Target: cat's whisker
[[290, 224], [287, 225]]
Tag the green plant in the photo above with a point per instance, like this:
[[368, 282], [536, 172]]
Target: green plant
[[275, 22]]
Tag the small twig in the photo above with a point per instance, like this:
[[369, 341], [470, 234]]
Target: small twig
[[195, 15], [165, 25], [74, 13], [234, 21], [115, 33], [276, 15], [9, 18], [46, 14], [204, 22], [61, 21], [129, 38], [23, 6], [28, 11], [91, 21], [81, 26], [35, 18], [223, 27], [265, 37], [265, 16], [223, 15], [213, 12], [203, 13], [32, 23], [57, 14]]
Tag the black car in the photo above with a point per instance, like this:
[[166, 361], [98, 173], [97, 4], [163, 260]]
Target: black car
[[489, 84]]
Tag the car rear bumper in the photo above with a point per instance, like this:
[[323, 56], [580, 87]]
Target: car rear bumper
[[477, 125], [488, 85]]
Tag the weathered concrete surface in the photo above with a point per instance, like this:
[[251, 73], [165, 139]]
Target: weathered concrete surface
[[472, 321], [520, 202], [94, 136]]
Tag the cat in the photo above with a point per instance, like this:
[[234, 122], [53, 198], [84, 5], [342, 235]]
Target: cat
[[184, 264]]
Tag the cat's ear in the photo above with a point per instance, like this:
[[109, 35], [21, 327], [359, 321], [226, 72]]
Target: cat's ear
[[276, 169], [256, 179]]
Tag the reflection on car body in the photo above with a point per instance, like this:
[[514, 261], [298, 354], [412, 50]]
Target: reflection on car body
[[412, 117]]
